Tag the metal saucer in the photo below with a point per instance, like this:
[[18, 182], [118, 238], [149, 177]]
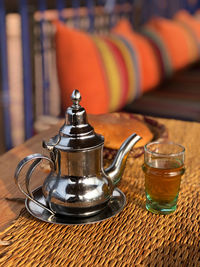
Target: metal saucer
[[114, 206]]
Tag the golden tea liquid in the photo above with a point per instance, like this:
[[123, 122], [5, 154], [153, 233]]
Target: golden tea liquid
[[162, 184]]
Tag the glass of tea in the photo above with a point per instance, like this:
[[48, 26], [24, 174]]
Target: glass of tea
[[163, 167]]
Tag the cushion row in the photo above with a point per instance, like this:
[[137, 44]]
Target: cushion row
[[104, 68], [112, 70]]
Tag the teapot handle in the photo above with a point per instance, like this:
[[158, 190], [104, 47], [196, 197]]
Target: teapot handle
[[37, 160]]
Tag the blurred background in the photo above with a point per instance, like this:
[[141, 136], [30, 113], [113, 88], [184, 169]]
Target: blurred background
[[32, 87]]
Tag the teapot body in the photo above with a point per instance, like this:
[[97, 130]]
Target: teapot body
[[79, 185]]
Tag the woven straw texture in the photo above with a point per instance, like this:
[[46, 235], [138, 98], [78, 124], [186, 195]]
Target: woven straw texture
[[134, 237]]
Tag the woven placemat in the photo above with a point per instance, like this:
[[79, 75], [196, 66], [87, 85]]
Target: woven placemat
[[133, 237]]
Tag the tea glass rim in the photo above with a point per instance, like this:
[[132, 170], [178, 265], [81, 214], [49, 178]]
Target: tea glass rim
[[164, 154]]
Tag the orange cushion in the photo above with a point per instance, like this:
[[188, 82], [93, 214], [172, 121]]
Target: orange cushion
[[103, 69], [78, 60], [189, 21], [148, 61], [179, 44]]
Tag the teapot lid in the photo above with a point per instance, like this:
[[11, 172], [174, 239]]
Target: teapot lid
[[76, 133]]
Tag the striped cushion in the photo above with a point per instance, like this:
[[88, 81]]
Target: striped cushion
[[161, 50], [178, 48], [104, 69], [123, 61], [149, 63]]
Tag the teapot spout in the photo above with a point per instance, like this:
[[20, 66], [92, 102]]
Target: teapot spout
[[116, 169]]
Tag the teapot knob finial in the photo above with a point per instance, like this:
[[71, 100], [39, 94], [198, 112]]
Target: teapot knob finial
[[76, 98]]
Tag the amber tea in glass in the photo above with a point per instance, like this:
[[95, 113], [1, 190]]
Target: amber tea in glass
[[163, 167]]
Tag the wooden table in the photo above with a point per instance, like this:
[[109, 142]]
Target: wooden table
[[8, 162], [133, 237]]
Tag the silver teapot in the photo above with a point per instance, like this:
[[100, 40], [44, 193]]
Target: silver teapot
[[77, 185]]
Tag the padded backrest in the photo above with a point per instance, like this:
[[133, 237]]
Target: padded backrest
[[29, 87]]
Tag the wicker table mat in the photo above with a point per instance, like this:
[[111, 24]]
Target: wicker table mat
[[133, 237]]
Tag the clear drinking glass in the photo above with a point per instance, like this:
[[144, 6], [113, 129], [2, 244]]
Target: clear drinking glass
[[163, 167]]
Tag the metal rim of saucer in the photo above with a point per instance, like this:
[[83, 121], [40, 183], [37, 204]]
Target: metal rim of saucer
[[114, 206]]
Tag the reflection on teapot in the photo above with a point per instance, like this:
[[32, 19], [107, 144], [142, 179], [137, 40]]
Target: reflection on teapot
[[77, 185]]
